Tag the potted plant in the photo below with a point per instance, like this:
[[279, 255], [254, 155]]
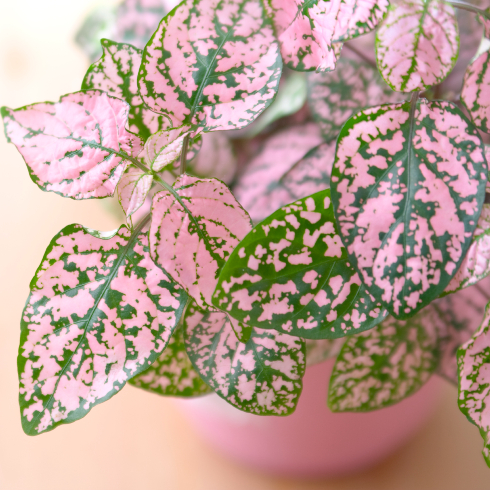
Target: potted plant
[[311, 198]]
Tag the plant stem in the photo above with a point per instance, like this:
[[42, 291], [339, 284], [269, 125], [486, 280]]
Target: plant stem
[[183, 156], [469, 8]]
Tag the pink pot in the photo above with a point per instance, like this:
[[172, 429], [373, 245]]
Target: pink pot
[[312, 441]]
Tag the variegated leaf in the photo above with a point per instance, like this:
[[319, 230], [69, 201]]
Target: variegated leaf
[[116, 73], [262, 376], [284, 170], [386, 364], [320, 350], [408, 185], [99, 313], [133, 189], [476, 91], [334, 97], [417, 45], [307, 30], [195, 227], [75, 147], [210, 64], [172, 374], [291, 273], [474, 381], [485, 20]]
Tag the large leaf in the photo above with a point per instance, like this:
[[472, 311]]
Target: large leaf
[[476, 91], [291, 273], [195, 227], [99, 313], [133, 189], [75, 147], [334, 97], [116, 73], [417, 45], [408, 185], [307, 30], [285, 170], [212, 64], [262, 376], [172, 373]]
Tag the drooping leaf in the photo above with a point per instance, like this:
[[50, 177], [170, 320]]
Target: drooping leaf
[[320, 350], [99, 313], [474, 381], [417, 44], [116, 73], [384, 365], [334, 97], [214, 65], [291, 273], [475, 95], [283, 171], [75, 147], [309, 30], [263, 376], [195, 227], [408, 185], [172, 374], [133, 189]]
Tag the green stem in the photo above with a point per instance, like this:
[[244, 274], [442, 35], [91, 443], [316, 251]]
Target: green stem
[[470, 8], [183, 156]]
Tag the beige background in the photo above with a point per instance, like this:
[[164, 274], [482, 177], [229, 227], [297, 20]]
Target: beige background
[[137, 440]]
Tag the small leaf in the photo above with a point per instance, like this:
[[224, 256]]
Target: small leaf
[[320, 350], [417, 45], [75, 147], [133, 189], [99, 313], [408, 185], [474, 382], [476, 91], [384, 365], [212, 65], [291, 273], [116, 73], [284, 171], [334, 97], [263, 376], [172, 373], [195, 227]]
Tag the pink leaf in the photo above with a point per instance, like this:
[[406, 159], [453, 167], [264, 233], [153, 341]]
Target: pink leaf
[[133, 189], [75, 147]]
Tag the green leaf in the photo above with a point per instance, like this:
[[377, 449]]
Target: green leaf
[[172, 373], [291, 273], [99, 313], [262, 376], [212, 65]]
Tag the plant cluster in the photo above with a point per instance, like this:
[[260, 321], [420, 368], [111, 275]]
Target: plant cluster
[[348, 220]]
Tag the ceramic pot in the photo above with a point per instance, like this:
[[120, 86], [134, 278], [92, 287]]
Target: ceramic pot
[[312, 441]]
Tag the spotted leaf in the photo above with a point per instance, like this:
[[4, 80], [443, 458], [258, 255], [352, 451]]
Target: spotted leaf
[[320, 350], [291, 165], [99, 313], [195, 227], [476, 91], [417, 45], [116, 73], [408, 185], [172, 374], [291, 273], [75, 147], [308, 30], [384, 365], [262, 376], [133, 189], [210, 64], [474, 382], [334, 97]]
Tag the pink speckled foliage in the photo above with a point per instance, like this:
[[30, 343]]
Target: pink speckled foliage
[[75, 147], [195, 226], [417, 44], [408, 186], [310, 31], [133, 189], [99, 313], [213, 64]]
